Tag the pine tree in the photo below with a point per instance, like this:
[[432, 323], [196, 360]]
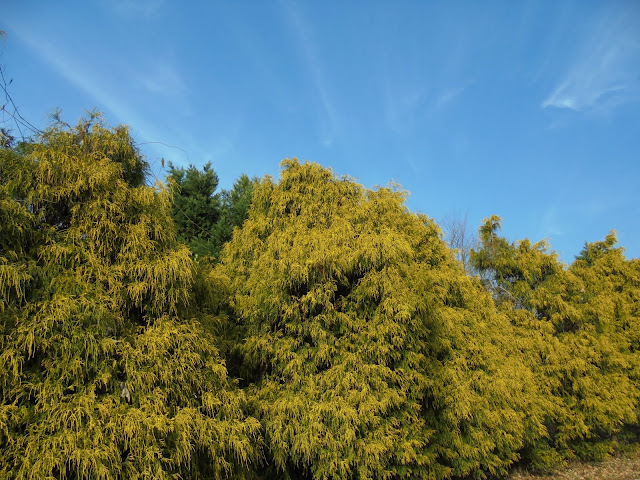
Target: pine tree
[[101, 376], [368, 352], [204, 219], [234, 210], [196, 207]]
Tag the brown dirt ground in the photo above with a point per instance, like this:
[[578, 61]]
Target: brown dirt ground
[[617, 468]]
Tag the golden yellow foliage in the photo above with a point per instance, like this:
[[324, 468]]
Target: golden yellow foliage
[[369, 352], [581, 329], [101, 378]]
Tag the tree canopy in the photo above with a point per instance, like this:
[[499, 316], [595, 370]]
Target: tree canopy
[[101, 376], [582, 325], [299, 328], [369, 352]]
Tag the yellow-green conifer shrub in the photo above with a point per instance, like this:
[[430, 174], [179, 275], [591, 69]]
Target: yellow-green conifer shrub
[[604, 315], [100, 378], [368, 352], [582, 326]]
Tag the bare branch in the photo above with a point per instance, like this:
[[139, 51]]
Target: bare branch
[[10, 110], [459, 238]]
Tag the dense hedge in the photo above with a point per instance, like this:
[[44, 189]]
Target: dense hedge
[[335, 336]]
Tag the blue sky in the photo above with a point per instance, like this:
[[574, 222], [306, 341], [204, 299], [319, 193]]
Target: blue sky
[[529, 110]]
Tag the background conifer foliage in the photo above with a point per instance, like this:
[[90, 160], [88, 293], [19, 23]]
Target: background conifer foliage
[[100, 375], [205, 219]]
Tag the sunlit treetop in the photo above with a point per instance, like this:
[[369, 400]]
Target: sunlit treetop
[[368, 351], [100, 376]]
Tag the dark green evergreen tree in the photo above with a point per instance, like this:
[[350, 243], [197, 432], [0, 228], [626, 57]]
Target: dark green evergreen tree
[[205, 219], [234, 209], [196, 206]]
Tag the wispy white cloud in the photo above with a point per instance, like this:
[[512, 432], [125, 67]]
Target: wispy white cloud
[[550, 222], [402, 106], [162, 78], [449, 95], [607, 72], [77, 74], [406, 105], [329, 115], [105, 95]]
